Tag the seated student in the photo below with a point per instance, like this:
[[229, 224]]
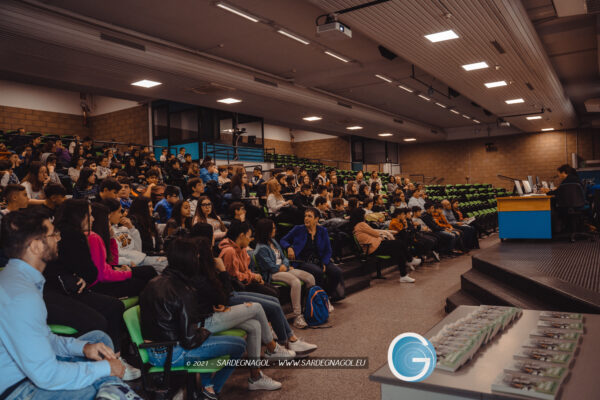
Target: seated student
[[50, 163], [304, 198], [55, 195], [459, 217], [424, 234], [270, 304], [37, 364], [337, 208], [309, 249], [417, 200], [364, 193], [469, 234], [7, 173], [440, 219], [378, 204], [145, 189], [399, 202], [102, 169], [195, 187], [375, 188], [223, 176], [276, 204], [257, 178], [360, 179], [321, 178], [180, 222], [171, 310], [447, 240], [406, 231], [374, 244], [237, 211], [206, 214], [69, 277], [16, 198], [290, 184], [140, 214], [164, 207], [109, 189], [124, 193], [322, 207], [568, 174], [34, 182], [394, 183], [113, 279], [322, 191], [351, 190], [274, 265], [374, 179], [209, 172]]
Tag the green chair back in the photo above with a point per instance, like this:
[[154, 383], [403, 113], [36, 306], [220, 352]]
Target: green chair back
[[62, 329], [132, 322]]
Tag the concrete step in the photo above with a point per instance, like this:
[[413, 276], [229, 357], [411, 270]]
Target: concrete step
[[460, 298]]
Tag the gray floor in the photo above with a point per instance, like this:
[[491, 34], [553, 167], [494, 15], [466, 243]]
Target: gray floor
[[364, 324]]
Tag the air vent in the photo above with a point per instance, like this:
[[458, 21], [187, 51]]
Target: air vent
[[498, 47], [122, 42], [386, 53], [529, 85], [265, 82], [209, 88], [399, 121], [344, 104]]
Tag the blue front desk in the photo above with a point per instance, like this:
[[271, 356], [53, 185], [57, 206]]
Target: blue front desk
[[524, 217]]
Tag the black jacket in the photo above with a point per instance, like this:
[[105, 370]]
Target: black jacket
[[302, 202], [73, 258], [170, 310], [430, 222], [571, 178]]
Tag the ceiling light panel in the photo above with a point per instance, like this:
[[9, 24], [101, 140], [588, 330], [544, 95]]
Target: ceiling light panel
[[385, 134], [441, 105], [409, 90], [534, 117], [237, 12], [412, 139], [515, 101], [424, 97], [354, 128], [329, 53], [229, 100], [454, 111], [441, 36], [547, 129], [384, 78], [475, 66], [312, 118], [292, 36], [145, 83], [490, 85]]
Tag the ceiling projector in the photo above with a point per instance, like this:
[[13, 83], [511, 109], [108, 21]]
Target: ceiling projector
[[334, 30]]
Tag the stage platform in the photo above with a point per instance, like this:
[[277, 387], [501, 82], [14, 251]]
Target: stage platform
[[539, 275]]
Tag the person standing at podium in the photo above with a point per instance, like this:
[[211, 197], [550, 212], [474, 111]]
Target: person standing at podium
[[568, 174]]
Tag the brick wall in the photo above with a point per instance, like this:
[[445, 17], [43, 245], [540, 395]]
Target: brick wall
[[129, 125], [280, 146], [12, 118], [536, 154]]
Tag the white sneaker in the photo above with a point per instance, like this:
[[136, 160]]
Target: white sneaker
[[300, 322], [415, 262], [280, 352], [330, 307], [264, 383], [409, 265], [131, 373], [436, 255], [301, 347], [406, 279]]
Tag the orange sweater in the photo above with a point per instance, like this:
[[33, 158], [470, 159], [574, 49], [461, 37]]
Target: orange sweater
[[441, 220], [396, 225]]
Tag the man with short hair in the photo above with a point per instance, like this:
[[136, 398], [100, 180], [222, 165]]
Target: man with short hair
[[417, 200], [35, 363], [164, 208], [124, 192], [16, 198], [447, 240], [469, 234], [108, 189], [55, 195], [309, 249], [181, 155], [195, 187], [323, 207], [304, 198]]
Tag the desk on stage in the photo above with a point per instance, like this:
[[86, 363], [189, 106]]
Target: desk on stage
[[524, 217]]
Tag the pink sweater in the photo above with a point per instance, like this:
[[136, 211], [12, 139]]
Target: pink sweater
[[105, 271]]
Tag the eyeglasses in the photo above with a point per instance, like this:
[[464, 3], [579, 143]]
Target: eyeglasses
[[206, 204]]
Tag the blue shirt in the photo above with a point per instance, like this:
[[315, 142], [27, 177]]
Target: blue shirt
[[27, 347], [164, 210]]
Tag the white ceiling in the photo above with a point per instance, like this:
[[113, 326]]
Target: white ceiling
[[309, 81]]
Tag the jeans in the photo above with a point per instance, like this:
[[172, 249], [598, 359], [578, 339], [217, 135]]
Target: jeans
[[469, 236], [214, 346], [447, 241], [159, 263], [294, 279], [335, 281], [110, 384], [272, 309], [251, 318]]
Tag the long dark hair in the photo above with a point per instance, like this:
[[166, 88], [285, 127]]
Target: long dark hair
[[70, 215], [33, 174], [177, 216], [236, 180], [356, 216], [85, 173], [264, 227], [101, 225], [199, 216], [139, 212]]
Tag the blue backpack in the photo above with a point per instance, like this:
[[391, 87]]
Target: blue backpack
[[316, 311]]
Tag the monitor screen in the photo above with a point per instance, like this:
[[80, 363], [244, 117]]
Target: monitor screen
[[545, 184], [518, 188]]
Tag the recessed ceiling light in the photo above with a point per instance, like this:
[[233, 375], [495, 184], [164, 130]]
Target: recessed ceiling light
[[383, 78], [336, 56], [424, 97], [547, 129], [234, 10], [535, 117], [410, 139], [385, 134], [454, 111], [515, 101], [476, 121], [146, 83], [229, 100], [441, 36], [441, 105], [466, 116], [354, 127], [292, 36], [495, 84], [312, 118], [406, 88], [474, 66]]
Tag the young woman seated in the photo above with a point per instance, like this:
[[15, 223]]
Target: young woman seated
[[140, 214], [380, 242], [275, 266], [181, 219], [205, 213]]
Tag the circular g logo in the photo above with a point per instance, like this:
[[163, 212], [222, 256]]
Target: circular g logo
[[411, 357]]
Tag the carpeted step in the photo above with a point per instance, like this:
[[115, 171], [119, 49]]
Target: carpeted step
[[460, 298]]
